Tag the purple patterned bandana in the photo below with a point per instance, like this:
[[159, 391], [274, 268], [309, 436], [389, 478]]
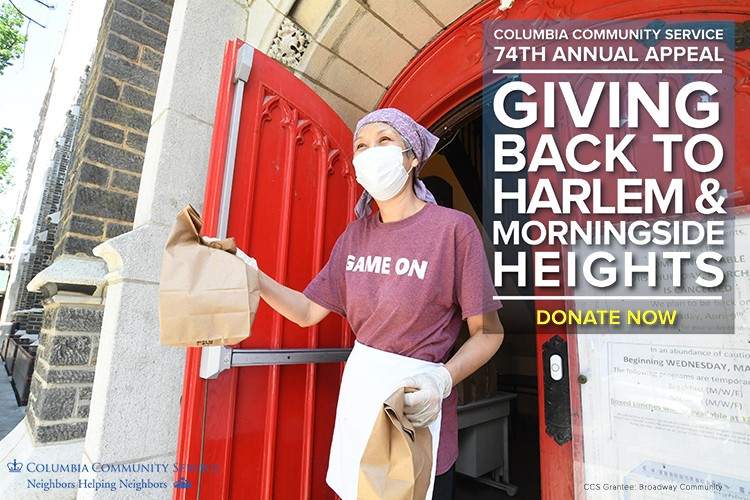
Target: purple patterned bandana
[[422, 143]]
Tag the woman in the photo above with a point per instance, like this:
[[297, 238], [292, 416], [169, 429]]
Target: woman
[[405, 277]]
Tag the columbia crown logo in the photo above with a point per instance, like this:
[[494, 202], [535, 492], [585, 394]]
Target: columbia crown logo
[[180, 483], [15, 466]]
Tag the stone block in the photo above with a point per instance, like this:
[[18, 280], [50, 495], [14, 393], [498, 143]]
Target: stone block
[[94, 352], [284, 6], [92, 174], [261, 18], [54, 403], [75, 245], [316, 60], [128, 182], [310, 16], [79, 319], [30, 416], [59, 432], [138, 98], [352, 39], [341, 78], [190, 69], [108, 87], [112, 156], [161, 9], [83, 271], [84, 394], [138, 32], [155, 22], [36, 386], [122, 69], [69, 350], [129, 344], [114, 230], [70, 376], [48, 323], [85, 225], [180, 146], [82, 411], [114, 112], [409, 19], [447, 12], [102, 203], [136, 141], [106, 132], [123, 47], [151, 237], [344, 15], [129, 10], [151, 58], [41, 367]]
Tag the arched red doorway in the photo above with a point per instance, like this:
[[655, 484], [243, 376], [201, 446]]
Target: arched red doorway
[[447, 74]]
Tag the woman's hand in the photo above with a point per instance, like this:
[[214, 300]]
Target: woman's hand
[[291, 304], [247, 260], [422, 406]]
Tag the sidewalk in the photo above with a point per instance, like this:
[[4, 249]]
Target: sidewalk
[[10, 412]]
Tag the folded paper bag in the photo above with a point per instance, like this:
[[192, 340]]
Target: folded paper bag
[[397, 462], [207, 295]]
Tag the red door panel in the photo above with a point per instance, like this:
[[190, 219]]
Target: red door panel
[[268, 428]]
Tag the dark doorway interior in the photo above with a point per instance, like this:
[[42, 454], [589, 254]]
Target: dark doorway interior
[[455, 175]]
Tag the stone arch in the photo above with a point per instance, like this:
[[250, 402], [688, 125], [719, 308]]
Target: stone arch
[[349, 52]]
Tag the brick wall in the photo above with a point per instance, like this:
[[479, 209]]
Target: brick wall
[[102, 186]]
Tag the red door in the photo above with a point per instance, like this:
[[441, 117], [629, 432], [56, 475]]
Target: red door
[[263, 432]]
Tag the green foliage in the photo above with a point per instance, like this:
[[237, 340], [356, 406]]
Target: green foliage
[[6, 135], [11, 40], [11, 47]]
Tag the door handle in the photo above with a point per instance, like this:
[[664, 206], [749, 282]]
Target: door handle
[[215, 360], [557, 390]]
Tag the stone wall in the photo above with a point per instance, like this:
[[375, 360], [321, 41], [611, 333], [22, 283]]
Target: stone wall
[[19, 276], [64, 372], [39, 256], [98, 203], [349, 52], [102, 186]]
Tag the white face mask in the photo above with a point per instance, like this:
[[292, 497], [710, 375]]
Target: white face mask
[[380, 170]]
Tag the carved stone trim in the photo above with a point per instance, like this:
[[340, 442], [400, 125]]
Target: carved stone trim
[[289, 44]]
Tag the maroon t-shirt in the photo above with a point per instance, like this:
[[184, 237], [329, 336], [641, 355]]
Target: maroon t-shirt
[[405, 288]]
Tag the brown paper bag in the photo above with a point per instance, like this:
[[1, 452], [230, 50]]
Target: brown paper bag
[[397, 462], [207, 295]]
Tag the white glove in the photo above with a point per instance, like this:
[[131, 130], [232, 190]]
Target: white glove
[[242, 255], [422, 406], [247, 260]]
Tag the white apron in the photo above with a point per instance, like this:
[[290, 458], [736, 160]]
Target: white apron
[[370, 377]]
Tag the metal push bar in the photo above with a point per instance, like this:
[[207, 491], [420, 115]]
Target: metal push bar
[[215, 360]]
